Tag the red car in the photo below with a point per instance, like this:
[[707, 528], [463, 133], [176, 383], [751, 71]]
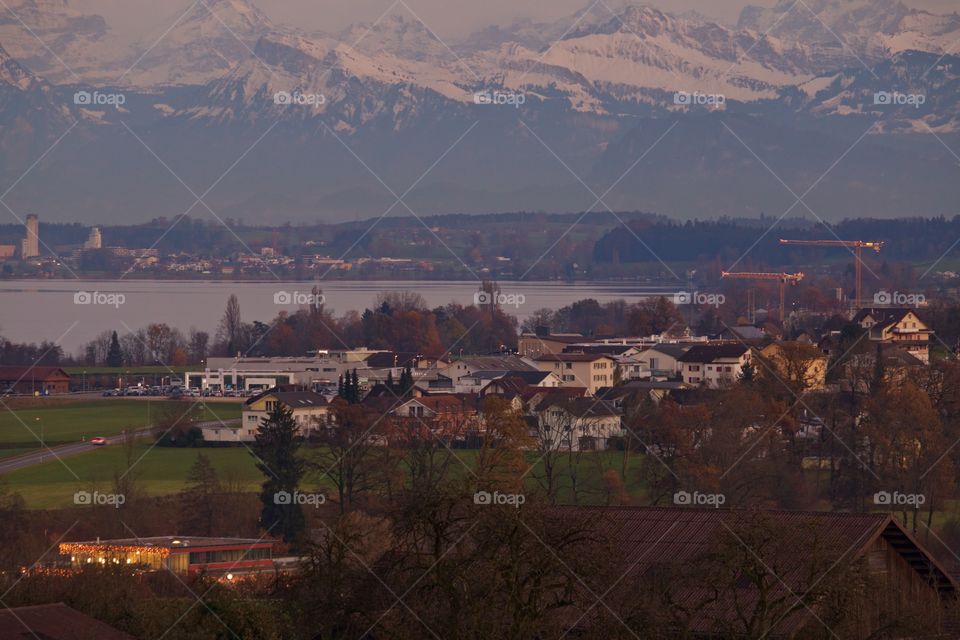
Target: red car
[[98, 441]]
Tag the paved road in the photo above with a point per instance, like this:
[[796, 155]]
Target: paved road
[[66, 450]]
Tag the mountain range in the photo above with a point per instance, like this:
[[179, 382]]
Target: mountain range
[[628, 108]]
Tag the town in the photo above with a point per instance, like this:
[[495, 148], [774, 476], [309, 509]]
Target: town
[[458, 320], [842, 422]]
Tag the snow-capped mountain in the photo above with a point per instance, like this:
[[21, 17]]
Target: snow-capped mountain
[[600, 89], [54, 39], [871, 29], [202, 45]]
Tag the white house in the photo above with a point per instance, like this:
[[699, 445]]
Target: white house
[[574, 424], [309, 410], [714, 365]]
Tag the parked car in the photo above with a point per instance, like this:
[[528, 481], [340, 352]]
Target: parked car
[[98, 441]]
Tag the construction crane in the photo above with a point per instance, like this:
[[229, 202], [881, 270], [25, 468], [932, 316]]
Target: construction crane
[[856, 245], [781, 278]]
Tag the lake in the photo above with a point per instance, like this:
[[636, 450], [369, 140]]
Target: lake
[[72, 312]]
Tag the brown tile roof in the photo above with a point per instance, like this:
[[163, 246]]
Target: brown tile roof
[[652, 538], [54, 622]]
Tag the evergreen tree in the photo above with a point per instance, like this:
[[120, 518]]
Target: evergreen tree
[[201, 499], [747, 373], [355, 388], [275, 449], [114, 353], [407, 381], [341, 388], [389, 382]]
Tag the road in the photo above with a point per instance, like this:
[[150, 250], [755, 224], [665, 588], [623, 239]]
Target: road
[[66, 450]]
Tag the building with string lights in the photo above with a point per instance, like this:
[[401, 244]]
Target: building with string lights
[[181, 555]]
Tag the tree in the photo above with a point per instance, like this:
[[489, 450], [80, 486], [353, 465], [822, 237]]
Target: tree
[[201, 499], [230, 331], [348, 454], [114, 353], [275, 449]]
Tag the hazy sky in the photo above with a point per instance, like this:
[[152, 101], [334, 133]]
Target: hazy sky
[[450, 18]]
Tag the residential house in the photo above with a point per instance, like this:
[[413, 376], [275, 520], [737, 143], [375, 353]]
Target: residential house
[[575, 424], [796, 363], [542, 342], [590, 370], [479, 380], [468, 365], [714, 365], [898, 326], [310, 411], [660, 361], [453, 417]]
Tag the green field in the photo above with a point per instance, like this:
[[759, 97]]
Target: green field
[[156, 471], [163, 470], [73, 421]]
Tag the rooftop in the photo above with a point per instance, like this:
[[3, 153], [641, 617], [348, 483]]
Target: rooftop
[[173, 542]]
